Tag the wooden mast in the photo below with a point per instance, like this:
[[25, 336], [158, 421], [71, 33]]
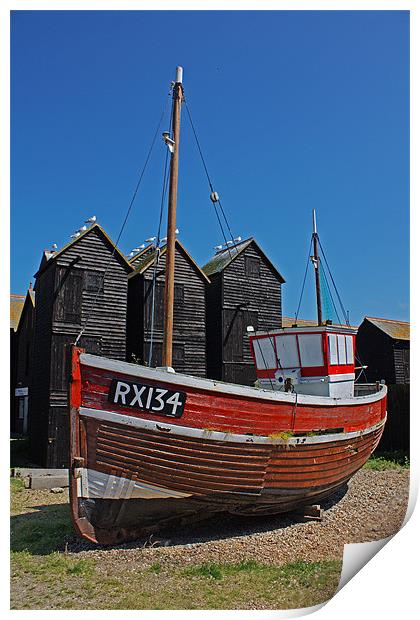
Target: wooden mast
[[316, 266], [170, 243]]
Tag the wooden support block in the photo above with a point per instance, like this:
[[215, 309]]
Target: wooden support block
[[22, 472], [48, 482], [312, 512]]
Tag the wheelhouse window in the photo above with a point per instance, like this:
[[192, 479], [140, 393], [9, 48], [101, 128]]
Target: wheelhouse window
[[287, 351], [332, 347], [341, 349], [310, 347], [265, 355], [349, 350]]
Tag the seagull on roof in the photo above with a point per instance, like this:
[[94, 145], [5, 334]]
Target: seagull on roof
[[91, 220], [150, 239], [82, 229], [218, 247], [75, 235], [54, 247], [164, 239]]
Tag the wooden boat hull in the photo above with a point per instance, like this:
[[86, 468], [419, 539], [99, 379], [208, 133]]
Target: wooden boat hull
[[232, 449]]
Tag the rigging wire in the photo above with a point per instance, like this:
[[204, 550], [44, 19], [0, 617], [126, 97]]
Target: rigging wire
[[324, 279], [157, 254], [125, 220], [211, 185], [304, 279], [346, 319]]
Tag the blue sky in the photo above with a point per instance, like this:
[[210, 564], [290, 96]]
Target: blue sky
[[295, 110]]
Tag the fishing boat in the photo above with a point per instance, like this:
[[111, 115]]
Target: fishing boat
[[150, 447]]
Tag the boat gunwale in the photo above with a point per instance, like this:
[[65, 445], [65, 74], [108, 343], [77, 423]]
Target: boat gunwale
[[231, 389], [222, 436]]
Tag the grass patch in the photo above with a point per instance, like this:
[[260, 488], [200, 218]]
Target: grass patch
[[42, 531], [38, 529], [54, 565], [381, 461], [300, 572], [16, 485], [43, 577], [156, 568]]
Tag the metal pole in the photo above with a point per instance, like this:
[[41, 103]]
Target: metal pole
[[170, 243], [316, 266]]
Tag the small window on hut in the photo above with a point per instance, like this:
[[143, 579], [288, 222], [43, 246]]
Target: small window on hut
[[178, 294], [252, 267], [156, 305], [94, 282], [178, 354], [68, 303]]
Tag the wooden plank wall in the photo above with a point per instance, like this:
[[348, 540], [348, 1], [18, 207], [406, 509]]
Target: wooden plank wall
[[189, 335], [249, 294], [24, 337], [396, 435], [66, 292], [402, 362], [39, 388]]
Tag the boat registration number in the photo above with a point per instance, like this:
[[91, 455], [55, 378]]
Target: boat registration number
[[147, 397]]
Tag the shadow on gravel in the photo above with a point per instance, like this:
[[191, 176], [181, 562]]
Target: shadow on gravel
[[49, 529]]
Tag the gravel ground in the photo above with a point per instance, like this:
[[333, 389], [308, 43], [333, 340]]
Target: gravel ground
[[371, 507]]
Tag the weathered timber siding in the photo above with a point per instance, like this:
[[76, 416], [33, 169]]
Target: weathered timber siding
[[396, 434], [67, 295], [189, 335], [249, 293], [402, 362], [388, 359], [214, 339], [24, 349], [39, 389], [385, 357]]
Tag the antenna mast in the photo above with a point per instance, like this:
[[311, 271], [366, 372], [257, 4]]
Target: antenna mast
[[171, 235], [315, 262]]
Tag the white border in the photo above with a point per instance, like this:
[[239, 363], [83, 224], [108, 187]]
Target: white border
[[387, 587]]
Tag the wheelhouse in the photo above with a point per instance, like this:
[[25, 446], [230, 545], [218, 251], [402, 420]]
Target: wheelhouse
[[306, 360]]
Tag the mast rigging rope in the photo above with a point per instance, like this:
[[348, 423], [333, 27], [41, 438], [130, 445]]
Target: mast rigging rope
[[304, 279], [346, 320], [157, 255], [211, 185], [124, 221]]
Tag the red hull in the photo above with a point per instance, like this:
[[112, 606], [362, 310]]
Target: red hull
[[233, 448]]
